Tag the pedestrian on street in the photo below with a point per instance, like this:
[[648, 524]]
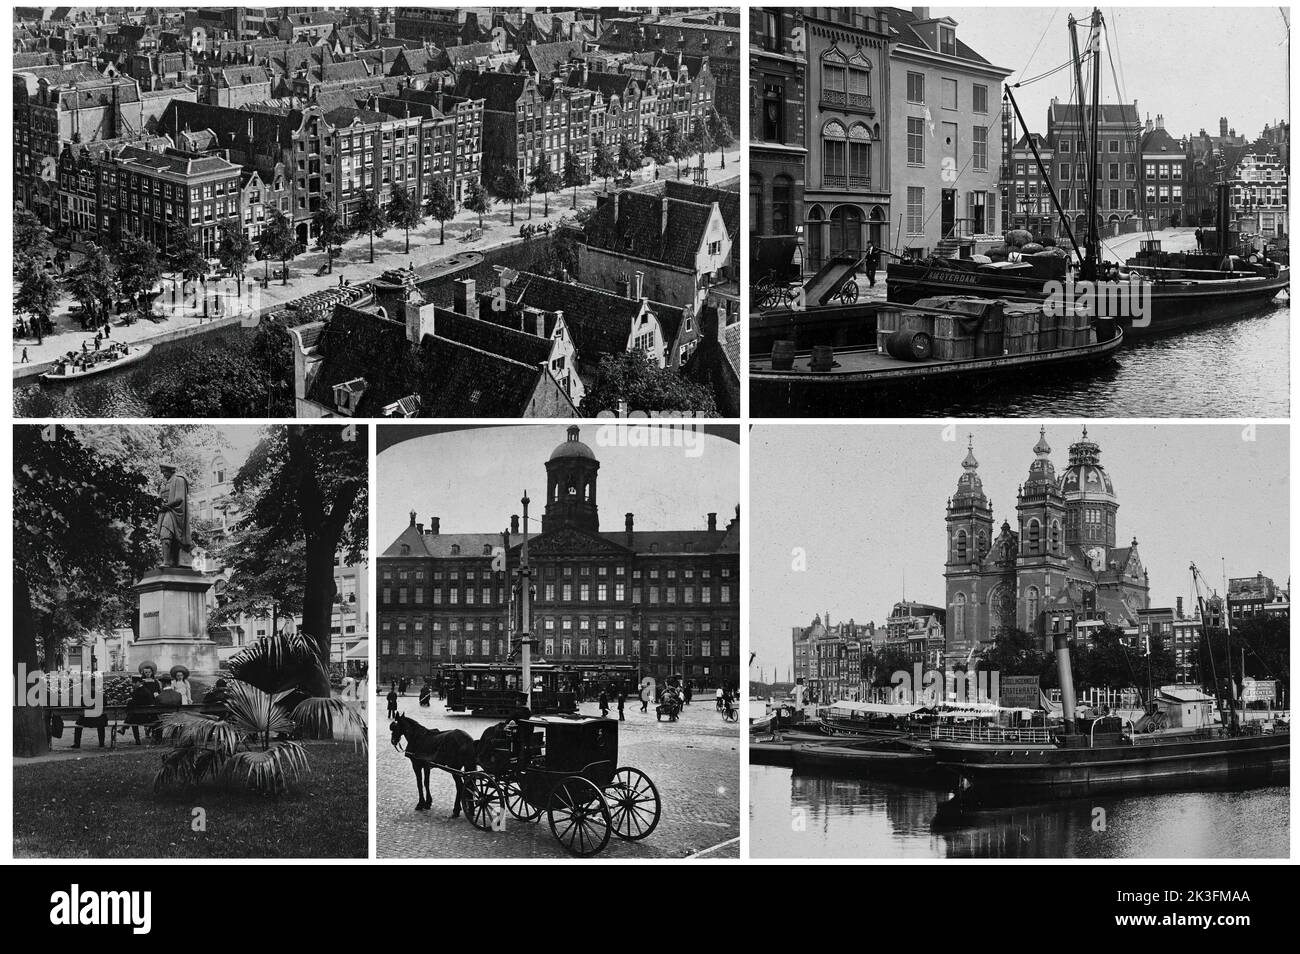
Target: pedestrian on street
[[25, 358], [622, 698], [1200, 236], [687, 693], [392, 703], [645, 698], [717, 699], [604, 704], [871, 261]]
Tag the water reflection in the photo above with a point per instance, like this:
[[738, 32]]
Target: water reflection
[[795, 816]]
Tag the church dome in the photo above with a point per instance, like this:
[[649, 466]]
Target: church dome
[[572, 447], [1085, 478], [969, 484]]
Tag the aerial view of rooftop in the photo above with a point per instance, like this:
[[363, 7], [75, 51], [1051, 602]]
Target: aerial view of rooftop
[[387, 212]]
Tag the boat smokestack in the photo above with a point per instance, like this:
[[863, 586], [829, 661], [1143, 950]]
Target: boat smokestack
[[1061, 643]]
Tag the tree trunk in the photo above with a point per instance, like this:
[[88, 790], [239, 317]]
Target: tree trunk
[[408, 241], [442, 231], [372, 248], [31, 731], [512, 215], [284, 271]]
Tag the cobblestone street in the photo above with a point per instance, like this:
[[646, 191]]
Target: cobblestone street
[[694, 763]]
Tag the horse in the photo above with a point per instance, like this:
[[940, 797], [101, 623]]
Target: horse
[[449, 749]]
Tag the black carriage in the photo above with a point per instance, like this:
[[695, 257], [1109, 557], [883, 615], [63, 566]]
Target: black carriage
[[566, 767], [485, 689]]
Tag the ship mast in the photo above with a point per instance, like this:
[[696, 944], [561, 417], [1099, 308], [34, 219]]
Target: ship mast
[[1209, 645]]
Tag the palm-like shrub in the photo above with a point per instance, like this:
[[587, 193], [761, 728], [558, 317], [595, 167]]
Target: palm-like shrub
[[254, 742]]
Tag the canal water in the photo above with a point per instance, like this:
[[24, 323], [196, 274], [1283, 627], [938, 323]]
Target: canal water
[[125, 393], [795, 816], [1231, 369]]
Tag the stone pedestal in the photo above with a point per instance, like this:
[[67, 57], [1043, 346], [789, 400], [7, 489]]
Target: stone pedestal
[[174, 622]]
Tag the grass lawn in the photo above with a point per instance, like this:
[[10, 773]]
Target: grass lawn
[[105, 807]]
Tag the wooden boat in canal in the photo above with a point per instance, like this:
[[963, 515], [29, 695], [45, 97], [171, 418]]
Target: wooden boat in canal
[[66, 372], [874, 758], [931, 345]]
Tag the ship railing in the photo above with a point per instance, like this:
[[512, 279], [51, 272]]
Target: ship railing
[[989, 733], [1208, 732]]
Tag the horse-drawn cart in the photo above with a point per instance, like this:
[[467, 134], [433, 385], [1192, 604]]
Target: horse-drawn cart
[[564, 767]]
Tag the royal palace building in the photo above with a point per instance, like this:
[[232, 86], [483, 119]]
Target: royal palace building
[[632, 602]]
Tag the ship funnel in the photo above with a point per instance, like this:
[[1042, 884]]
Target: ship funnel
[[1061, 643]]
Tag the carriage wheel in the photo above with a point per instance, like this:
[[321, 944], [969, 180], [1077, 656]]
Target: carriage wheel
[[634, 804], [484, 796], [579, 817], [849, 293], [517, 805]]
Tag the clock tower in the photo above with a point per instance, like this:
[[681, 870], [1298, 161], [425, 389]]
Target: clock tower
[[970, 537]]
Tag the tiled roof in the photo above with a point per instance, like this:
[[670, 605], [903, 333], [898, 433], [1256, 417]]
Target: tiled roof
[[902, 20], [499, 91], [1114, 113], [669, 541], [640, 231], [451, 379], [441, 544], [599, 322], [728, 200], [494, 338], [232, 124], [545, 58]]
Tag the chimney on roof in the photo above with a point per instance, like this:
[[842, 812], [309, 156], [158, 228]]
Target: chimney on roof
[[1160, 120], [1150, 126], [412, 518], [514, 524], [419, 528], [921, 13], [663, 214], [640, 285], [434, 523], [628, 528], [541, 321], [625, 285], [464, 299], [1223, 125], [713, 522], [1180, 607]]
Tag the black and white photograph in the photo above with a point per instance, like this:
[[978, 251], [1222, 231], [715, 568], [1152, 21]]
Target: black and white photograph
[[1019, 212], [376, 211], [190, 641], [559, 641], [1059, 640]]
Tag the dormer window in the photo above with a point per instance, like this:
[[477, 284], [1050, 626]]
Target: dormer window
[[948, 40], [347, 396]]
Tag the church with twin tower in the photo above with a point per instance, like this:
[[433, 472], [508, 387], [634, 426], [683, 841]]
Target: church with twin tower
[[1058, 567]]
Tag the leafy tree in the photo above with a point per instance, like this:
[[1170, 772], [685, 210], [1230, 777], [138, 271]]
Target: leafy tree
[[279, 242], [31, 241], [653, 146], [722, 134], [188, 261], [91, 284], [264, 582], [441, 206], [574, 174], [545, 180], [509, 188], [37, 296], [630, 155], [477, 200], [404, 212], [632, 376], [677, 147], [234, 250], [138, 268], [308, 484], [370, 219], [1014, 652], [604, 163], [82, 529], [229, 382], [330, 232]]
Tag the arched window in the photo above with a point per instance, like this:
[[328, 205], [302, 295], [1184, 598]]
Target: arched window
[[835, 155], [1035, 536], [981, 544], [859, 157], [959, 611], [815, 239], [782, 205], [1031, 605], [1056, 536], [961, 546], [756, 204]]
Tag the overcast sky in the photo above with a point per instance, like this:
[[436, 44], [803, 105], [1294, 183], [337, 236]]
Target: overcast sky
[[473, 479], [867, 504], [1193, 64]]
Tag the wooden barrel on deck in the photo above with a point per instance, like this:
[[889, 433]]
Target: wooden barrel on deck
[[782, 355], [823, 358], [909, 345]]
